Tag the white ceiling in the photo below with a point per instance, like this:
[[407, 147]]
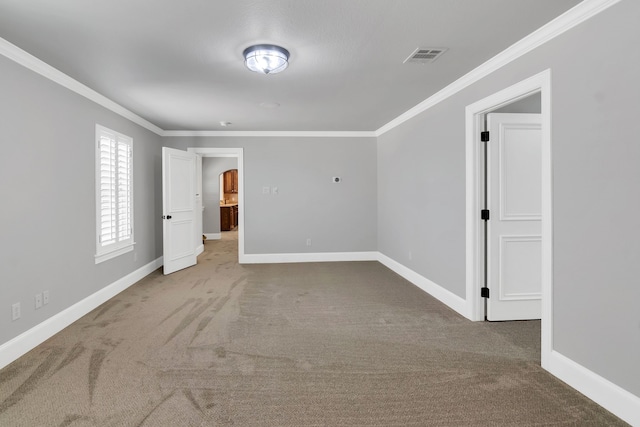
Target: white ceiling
[[179, 64]]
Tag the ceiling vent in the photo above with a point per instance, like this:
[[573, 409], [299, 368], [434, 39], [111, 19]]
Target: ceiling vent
[[425, 55]]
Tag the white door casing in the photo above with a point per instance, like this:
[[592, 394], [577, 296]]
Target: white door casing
[[198, 229], [178, 209], [515, 226]]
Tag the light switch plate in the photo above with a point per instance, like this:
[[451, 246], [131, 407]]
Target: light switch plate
[[15, 311]]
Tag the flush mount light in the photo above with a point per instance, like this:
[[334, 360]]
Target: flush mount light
[[266, 58]]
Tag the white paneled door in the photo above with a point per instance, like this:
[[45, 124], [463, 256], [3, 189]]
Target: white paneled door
[[178, 209], [515, 226]]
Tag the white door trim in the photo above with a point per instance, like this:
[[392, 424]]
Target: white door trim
[[239, 154], [474, 238]]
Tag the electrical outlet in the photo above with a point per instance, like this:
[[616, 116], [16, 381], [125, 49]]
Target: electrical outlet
[[410, 255], [45, 297], [266, 190], [274, 190], [15, 311], [38, 301], [309, 242]]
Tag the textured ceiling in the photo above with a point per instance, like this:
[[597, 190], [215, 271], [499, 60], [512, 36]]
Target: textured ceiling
[[179, 64]]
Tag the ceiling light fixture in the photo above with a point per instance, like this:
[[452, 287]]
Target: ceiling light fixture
[[266, 58]]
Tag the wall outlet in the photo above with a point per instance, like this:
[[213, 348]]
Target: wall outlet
[[274, 190], [410, 255], [266, 190], [45, 297], [309, 242], [38, 301], [15, 311]]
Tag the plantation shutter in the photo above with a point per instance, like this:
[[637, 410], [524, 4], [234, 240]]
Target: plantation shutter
[[115, 222]]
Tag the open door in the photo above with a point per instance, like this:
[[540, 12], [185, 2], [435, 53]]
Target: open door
[[178, 209], [514, 190]]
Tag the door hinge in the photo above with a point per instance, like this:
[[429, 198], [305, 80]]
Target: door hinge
[[484, 214], [484, 136], [484, 292]]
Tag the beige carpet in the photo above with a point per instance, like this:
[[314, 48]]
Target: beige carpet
[[326, 344]]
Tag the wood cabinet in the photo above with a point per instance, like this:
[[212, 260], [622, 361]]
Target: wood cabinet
[[230, 180], [228, 217]]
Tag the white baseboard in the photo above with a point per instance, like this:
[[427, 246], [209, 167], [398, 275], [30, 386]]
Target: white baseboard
[[607, 394], [18, 346], [448, 298], [602, 391], [200, 249], [213, 236], [308, 257]]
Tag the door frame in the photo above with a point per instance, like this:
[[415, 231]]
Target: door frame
[[474, 124], [238, 153]]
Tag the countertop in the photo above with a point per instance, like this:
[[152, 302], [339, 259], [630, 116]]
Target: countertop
[[228, 205]]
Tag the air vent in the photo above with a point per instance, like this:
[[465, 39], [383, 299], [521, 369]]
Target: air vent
[[425, 55]]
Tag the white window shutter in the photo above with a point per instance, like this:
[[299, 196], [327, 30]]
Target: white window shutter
[[107, 191], [123, 202], [114, 191]]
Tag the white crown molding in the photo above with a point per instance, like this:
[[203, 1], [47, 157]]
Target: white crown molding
[[262, 134], [563, 23], [549, 31], [34, 64]]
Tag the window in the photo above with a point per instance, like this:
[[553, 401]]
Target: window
[[114, 194]]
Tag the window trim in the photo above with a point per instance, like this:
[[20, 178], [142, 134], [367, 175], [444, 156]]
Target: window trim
[[104, 253]]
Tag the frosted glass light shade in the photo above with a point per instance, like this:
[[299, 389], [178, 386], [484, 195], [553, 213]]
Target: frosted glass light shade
[[266, 59]]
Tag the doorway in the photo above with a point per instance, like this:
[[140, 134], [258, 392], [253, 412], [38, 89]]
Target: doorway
[[475, 238], [228, 200], [237, 153]]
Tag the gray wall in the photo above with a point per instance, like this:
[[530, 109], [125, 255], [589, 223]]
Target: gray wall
[[596, 189], [421, 196], [530, 104], [212, 167], [337, 217], [47, 220]]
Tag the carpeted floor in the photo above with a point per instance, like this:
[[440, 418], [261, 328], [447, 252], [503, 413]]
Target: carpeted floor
[[326, 344]]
